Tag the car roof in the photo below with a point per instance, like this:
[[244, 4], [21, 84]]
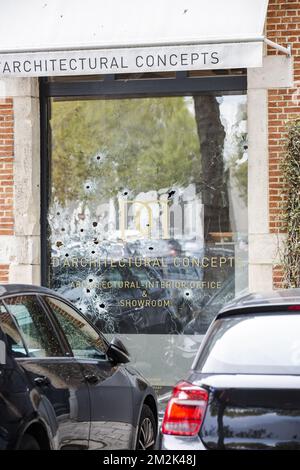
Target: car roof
[[11, 289], [277, 298]]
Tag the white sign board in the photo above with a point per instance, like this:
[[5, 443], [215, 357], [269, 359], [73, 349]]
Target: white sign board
[[132, 60]]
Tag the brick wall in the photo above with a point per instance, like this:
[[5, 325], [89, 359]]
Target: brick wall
[[6, 175], [283, 27], [4, 269]]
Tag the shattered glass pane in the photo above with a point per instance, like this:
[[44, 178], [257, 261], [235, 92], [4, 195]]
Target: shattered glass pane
[[148, 219]]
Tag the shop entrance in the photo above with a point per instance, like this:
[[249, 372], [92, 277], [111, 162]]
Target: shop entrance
[[145, 208]]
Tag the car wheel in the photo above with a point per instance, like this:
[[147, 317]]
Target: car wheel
[[28, 442], [147, 430]]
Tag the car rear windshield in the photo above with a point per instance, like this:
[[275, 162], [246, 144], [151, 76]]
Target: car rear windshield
[[253, 344]]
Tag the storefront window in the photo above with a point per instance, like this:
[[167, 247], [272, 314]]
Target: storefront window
[[147, 220]]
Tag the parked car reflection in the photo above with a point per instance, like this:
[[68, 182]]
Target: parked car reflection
[[209, 307], [123, 299]]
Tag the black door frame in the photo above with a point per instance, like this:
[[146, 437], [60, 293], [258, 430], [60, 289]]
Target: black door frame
[[111, 87]]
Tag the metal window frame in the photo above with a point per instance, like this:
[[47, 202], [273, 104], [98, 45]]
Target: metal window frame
[[112, 87]]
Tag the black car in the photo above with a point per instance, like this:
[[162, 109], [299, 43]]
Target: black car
[[243, 391], [62, 385]]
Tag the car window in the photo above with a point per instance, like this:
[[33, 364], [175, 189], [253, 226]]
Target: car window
[[14, 343], [253, 344], [37, 331], [82, 337]]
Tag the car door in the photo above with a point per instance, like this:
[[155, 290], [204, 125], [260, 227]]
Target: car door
[[108, 384], [53, 372], [15, 403]]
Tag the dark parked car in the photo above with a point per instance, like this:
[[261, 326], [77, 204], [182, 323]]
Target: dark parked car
[[62, 385], [243, 391]]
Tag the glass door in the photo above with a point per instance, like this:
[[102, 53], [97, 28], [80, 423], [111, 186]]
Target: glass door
[[147, 220]]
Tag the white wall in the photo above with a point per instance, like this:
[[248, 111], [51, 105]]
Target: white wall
[[22, 250], [263, 246]]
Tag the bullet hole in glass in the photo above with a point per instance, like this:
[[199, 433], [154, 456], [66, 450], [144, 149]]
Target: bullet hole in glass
[[63, 229], [96, 242], [151, 248], [90, 280], [57, 213], [81, 230], [93, 252], [102, 305], [66, 255], [80, 308], [87, 186], [88, 291], [95, 224], [245, 147], [98, 157], [171, 193], [59, 243], [147, 225], [125, 193], [187, 294]]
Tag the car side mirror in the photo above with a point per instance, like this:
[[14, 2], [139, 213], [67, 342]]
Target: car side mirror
[[117, 352], [2, 353]]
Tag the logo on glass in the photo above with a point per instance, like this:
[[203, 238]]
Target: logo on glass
[[161, 219]]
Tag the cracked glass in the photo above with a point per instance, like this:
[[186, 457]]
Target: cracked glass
[[147, 220]]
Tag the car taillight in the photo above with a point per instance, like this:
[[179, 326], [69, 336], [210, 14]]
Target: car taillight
[[294, 307], [185, 410]]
